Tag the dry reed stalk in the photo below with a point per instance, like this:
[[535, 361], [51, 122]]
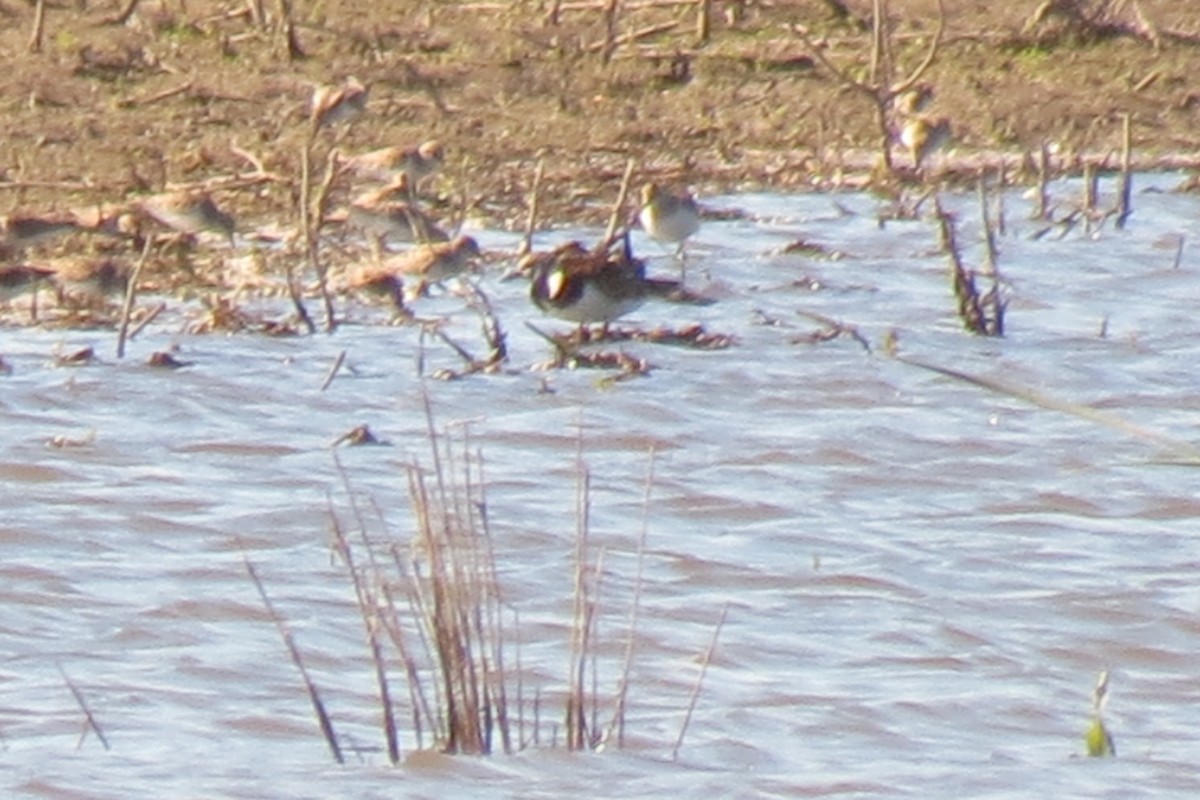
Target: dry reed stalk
[[422, 709], [703, 22], [157, 97], [534, 201], [130, 294], [367, 607], [294, 653], [633, 36], [287, 31], [618, 719], [125, 14], [452, 601], [257, 14], [989, 233], [580, 622], [1188, 454], [1125, 196], [89, 717], [708, 654], [614, 219], [294, 291], [1001, 207], [982, 316], [317, 212], [1179, 252], [455, 605], [611, 9], [1042, 209], [37, 35], [495, 620]]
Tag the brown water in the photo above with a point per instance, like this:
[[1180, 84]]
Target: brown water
[[923, 577]]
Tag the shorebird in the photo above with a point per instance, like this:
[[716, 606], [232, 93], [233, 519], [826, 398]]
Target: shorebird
[[914, 100], [20, 279], [386, 164], [434, 263], [923, 136], [22, 230], [188, 213], [574, 284], [89, 280], [377, 280], [669, 217], [334, 104], [380, 216]]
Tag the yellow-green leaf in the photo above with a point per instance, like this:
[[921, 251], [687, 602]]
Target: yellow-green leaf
[[1099, 741]]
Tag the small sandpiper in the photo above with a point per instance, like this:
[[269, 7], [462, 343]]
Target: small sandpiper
[[923, 136], [188, 213], [381, 217], [377, 280], [914, 100], [434, 263], [386, 164], [21, 279], [669, 217], [22, 230], [89, 280]]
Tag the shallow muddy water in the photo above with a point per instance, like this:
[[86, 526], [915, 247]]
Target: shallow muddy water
[[923, 577]]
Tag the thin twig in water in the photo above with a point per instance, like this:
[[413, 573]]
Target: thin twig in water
[[1124, 200], [315, 217], [989, 233], [368, 611], [87, 712], [580, 619], [1042, 209], [294, 652], [1175, 446], [130, 293], [618, 719], [712, 646], [333, 370], [151, 315]]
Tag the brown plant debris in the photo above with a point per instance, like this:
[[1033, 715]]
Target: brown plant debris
[[164, 360]]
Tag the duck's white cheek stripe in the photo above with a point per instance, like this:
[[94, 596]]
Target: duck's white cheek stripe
[[555, 284]]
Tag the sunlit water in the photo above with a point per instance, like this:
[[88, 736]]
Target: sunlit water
[[923, 578]]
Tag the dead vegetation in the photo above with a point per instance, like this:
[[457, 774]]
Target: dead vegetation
[[444, 640]]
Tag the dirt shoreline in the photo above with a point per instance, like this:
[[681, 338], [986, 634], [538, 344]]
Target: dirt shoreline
[[191, 94]]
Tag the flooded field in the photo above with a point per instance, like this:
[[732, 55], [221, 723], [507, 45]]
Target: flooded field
[[923, 577]]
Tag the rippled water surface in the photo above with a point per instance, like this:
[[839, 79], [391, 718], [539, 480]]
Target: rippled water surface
[[923, 577]]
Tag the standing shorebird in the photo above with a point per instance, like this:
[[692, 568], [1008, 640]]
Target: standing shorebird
[[377, 280], [22, 230], [23, 279], [671, 218], [188, 213], [388, 163], [19, 279], [380, 216], [923, 136], [89, 281], [434, 263]]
